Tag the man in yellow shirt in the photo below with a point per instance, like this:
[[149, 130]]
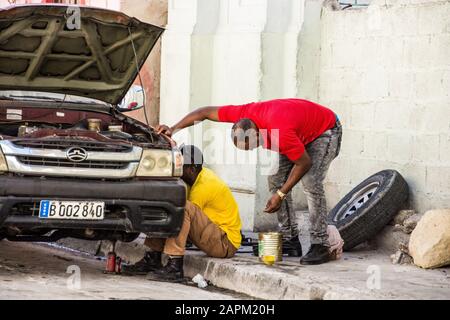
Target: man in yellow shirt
[[211, 223]]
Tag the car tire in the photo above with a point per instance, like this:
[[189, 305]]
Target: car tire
[[363, 212]]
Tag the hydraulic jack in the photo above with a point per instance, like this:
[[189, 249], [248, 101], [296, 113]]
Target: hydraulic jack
[[113, 262]]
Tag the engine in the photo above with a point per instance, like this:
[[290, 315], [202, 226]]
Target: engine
[[91, 128]]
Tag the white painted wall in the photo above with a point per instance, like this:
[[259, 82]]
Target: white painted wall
[[218, 52], [386, 72], [385, 69]]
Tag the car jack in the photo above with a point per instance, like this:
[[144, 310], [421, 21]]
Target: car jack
[[113, 262]]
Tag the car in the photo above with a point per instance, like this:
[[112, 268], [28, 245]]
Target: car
[[72, 164]]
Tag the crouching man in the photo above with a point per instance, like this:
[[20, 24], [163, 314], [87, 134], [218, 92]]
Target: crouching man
[[211, 223]]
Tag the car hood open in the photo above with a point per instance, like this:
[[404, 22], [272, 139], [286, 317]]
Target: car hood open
[[44, 48]]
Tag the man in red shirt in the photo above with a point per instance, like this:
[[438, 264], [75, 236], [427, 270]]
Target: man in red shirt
[[307, 136]]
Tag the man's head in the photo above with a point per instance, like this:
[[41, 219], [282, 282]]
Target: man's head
[[193, 163], [245, 135]]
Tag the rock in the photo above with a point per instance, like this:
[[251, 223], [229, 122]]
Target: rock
[[389, 238], [410, 223], [401, 257], [403, 247], [401, 217], [429, 244]]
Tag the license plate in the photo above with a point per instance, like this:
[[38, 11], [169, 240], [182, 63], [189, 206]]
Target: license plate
[[72, 210]]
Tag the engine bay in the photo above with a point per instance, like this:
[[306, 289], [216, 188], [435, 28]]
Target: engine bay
[[51, 123]]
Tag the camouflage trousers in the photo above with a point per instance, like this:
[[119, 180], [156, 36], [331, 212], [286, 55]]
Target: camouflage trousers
[[322, 151]]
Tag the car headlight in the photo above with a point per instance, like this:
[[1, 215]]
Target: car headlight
[[3, 164], [160, 163], [177, 163]]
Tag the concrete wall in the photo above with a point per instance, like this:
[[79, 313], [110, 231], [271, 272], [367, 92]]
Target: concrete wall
[[385, 70], [153, 12], [219, 52]]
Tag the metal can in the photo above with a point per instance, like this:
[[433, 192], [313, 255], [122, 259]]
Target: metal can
[[270, 247], [94, 125], [22, 131]]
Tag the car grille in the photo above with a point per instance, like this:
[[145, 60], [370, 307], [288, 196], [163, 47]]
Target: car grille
[[152, 214], [103, 160], [64, 163], [64, 145]]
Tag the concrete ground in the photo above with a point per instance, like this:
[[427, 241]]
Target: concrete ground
[[359, 275], [35, 271]]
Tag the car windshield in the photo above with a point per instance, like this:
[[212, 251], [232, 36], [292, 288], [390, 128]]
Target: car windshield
[[39, 96]]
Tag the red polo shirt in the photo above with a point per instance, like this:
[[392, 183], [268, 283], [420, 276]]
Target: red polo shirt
[[299, 122]]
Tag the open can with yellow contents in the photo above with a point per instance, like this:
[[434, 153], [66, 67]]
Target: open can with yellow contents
[[270, 247]]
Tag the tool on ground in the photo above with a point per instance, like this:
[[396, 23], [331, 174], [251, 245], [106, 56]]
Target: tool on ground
[[270, 247], [113, 262]]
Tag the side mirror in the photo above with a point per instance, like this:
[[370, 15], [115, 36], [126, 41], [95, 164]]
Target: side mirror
[[133, 100]]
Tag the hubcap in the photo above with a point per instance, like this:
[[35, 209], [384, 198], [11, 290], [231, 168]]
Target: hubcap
[[357, 201]]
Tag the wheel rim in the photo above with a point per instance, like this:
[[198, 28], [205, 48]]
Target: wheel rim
[[357, 201]]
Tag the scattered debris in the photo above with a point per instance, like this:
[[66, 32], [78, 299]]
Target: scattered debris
[[200, 281], [402, 215], [430, 241], [63, 258], [410, 224], [6, 267], [402, 255], [401, 258]]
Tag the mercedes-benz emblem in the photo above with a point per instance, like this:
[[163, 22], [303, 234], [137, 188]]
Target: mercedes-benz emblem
[[76, 154]]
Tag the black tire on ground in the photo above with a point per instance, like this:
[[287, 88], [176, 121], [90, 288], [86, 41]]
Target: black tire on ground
[[363, 212]]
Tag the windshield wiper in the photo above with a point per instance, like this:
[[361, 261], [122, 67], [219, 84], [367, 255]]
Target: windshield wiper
[[33, 97]]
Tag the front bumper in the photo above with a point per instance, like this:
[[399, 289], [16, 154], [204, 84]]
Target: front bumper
[[153, 207]]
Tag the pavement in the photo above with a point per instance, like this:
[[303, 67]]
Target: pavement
[[359, 275], [41, 272]]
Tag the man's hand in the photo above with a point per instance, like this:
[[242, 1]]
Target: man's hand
[[274, 204], [206, 113], [301, 166], [164, 130]]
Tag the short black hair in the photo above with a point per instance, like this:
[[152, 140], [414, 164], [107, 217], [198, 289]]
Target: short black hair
[[244, 124], [192, 156]]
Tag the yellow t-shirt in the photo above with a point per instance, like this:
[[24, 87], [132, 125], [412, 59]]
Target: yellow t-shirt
[[215, 199]]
